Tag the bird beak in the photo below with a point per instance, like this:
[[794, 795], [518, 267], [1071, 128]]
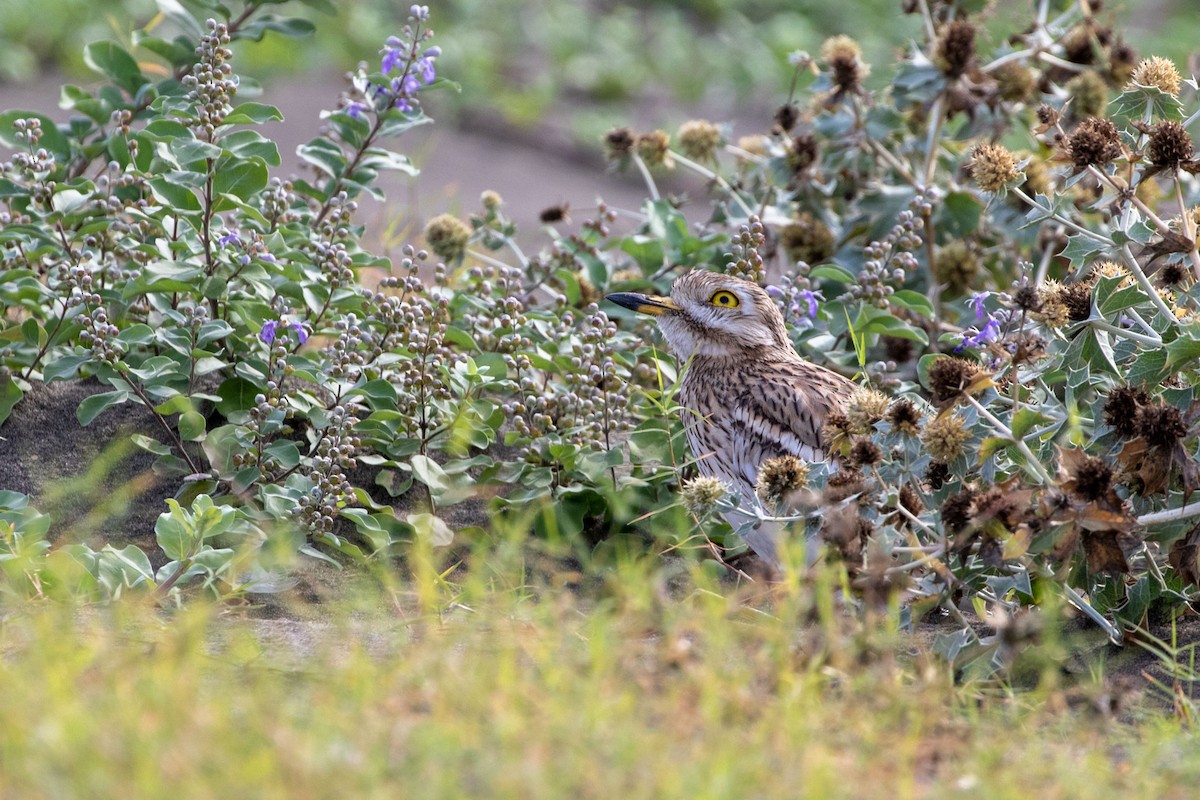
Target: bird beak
[[645, 304]]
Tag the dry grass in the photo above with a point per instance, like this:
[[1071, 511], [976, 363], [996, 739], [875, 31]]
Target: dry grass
[[488, 688]]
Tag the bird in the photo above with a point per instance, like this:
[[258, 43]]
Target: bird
[[747, 394]]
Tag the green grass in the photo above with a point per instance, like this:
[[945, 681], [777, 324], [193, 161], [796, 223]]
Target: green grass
[[633, 688]]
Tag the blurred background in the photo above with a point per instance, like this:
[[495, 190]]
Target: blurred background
[[542, 80]]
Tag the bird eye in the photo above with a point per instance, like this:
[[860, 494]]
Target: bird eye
[[725, 299]]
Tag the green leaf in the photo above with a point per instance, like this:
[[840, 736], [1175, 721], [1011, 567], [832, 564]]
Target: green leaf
[[960, 213], [1025, 420], [150, 445], [324, 155], [93, 406], [253, 114], [1133, 104], [242, 179], [914, 302], [10, 395], [1183, 349], [286, 452], [173, 532], [237, 394], [191, 426], [112, 61], [1080, 249], [177, 197], [831, 272], [64, 367]]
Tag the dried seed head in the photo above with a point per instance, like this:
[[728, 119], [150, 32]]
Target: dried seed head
[[618, 144], [1161, 425], [993, 166], [949, 378], [447, 237], [755, 144], [1121, 409], [910, 500], [786, 116], [1122, 60], [1088, 93], [803, 152], [954, 51], [779, 478], [1093, 478], [865, 453], [945, 436], [699, 139], [957, 265], [1038, 179], [1047, 115], [905, 417], [553, 214], [957, 509], [1095, 142], [1170, 145], [807, 239], [1158, 72], [897, 349], [1077, 298], [701, 494], [1015, 82], [655, 149], [1173, 274], [1027, 298], [936, 474], [843, 56], [865, 408]]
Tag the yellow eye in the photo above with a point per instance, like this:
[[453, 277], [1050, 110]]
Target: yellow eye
[[725, 299]]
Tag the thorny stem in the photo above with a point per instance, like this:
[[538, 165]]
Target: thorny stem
[[927, 18], [1189, 230], [1032, 463], [938, 114], [1170, 515], [894, 163], [1139, 275], [651, 186], [1105, 325], [1099, 237], [708, 174]]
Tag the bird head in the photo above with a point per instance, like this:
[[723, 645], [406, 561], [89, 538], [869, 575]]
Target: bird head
[[709, 314]]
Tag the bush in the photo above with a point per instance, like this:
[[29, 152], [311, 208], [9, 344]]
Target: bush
[[1007, 251]]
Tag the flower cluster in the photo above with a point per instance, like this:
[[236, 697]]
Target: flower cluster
[[408, 66], [745, 256], [335, 455], [211, 83]]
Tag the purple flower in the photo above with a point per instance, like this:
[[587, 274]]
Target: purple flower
[[390, 59], [267, 334], [301, 333], [419, 12], [230, 238], [356, 109], [270, 330], [990, 332], [977, 303], [810, 299]]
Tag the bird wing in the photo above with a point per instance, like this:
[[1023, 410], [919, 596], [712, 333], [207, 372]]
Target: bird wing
[[783, 413]]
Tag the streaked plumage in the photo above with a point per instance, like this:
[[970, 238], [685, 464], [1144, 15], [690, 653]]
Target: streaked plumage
[[748, 395]]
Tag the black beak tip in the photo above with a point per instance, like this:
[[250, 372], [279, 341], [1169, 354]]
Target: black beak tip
[[630, 300]]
